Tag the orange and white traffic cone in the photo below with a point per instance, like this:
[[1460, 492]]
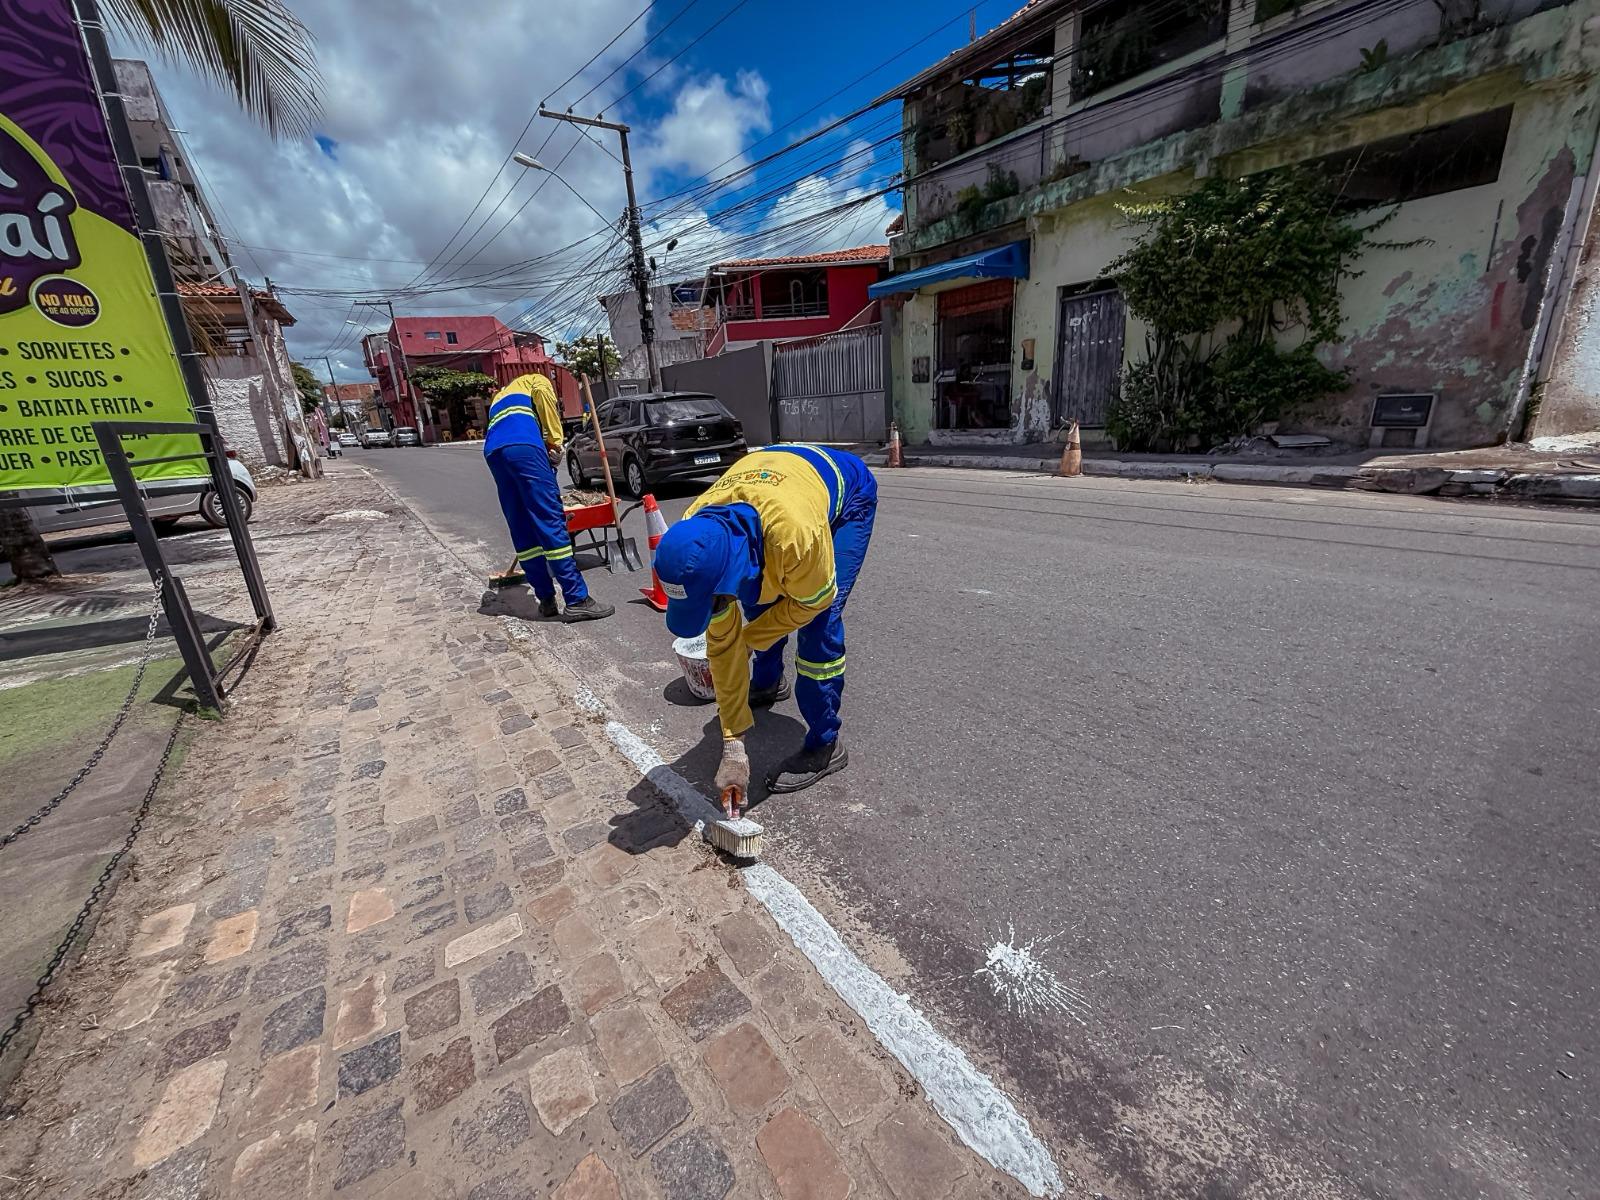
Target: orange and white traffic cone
[[655, 526], [896, 458], [1072, 453]]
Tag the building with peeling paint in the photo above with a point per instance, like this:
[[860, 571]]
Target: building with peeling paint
[[1477, 118]]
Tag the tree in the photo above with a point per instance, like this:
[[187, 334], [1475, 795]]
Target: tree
[[452, 389], [259, 51], [256, 49], [582, 357], [1239, 283], [309, 387]]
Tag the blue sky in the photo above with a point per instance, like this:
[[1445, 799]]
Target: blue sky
[[422, 108]]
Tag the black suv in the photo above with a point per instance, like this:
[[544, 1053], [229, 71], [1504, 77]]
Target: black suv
[[656, 436]]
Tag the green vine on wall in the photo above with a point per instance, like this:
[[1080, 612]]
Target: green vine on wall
[[1239, 281]]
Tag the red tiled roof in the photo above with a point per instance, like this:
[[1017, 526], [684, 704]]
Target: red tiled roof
[[856, 254], [225, 291]]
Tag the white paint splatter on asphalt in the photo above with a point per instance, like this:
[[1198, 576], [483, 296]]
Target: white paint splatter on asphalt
[[1017, 976]]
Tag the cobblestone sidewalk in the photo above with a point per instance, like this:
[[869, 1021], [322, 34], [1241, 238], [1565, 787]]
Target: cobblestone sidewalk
[[401, 926]]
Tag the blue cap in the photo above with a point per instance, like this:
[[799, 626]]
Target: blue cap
[[692, 561]]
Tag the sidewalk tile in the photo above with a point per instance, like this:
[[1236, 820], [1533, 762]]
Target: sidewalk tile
[[576, 938], [744, 936], [511, 1186], [435, 1010], [591, 1179], [369, 907], [803, 1165], [231, 936], [370, 1066], [553, 905], [278, 1165], [184, 1112], [293, 970], [360, 1012], [160, 932], [562, 1086], [665, 950], [370, 1141], [138, 998], [500, 1124], [288, 1084], [295, 1022], [509, 980], [598, 981], [781, 994], [692, 1168], [745, 1067], [197, 1042], [437, 1079], [482, 940], [648, 1110], [917, 1162], [848, 1081], [530, 1022], [705, 1002], [627, 1042]]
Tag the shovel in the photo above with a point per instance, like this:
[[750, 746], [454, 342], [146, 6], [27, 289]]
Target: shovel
[[627, 549]]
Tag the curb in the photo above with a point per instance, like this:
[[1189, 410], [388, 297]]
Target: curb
[[1408, 481]]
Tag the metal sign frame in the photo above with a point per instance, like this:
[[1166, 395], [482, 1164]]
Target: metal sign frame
[[207, 679]]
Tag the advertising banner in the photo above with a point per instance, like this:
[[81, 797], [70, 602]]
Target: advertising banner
[[82, 337]]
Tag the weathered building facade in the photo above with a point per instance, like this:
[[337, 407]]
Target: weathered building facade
[[1473, 121]]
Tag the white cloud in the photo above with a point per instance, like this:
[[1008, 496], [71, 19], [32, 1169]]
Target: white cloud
[[423, 110], [710, 124]]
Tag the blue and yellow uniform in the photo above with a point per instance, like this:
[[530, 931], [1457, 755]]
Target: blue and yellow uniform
[[525, 419], [785, 530]]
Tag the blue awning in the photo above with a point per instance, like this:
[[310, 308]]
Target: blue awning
[[1008, 262]]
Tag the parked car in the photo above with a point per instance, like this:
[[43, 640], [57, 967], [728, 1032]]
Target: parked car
[[379, 437], [404, 435], [347, 440], [176, 499], [654, 437]]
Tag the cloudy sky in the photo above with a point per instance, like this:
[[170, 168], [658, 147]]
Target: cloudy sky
[[423, 101]]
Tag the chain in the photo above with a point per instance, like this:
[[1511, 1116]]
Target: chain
[[105, 742], [95, 893]]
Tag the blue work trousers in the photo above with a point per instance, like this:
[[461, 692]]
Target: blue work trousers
[[530, 497], [819, 649]]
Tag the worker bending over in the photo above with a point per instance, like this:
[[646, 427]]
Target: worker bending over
[[522, 445], [773, 546]]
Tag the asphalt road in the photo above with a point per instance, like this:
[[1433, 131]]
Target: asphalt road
[[1293, 795]]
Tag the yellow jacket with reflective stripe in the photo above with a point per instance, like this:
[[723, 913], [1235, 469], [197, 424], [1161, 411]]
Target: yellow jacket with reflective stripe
[[797, 572], [511, 404]]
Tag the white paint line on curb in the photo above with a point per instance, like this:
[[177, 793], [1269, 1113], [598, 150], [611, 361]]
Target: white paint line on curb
[[980, 1113]]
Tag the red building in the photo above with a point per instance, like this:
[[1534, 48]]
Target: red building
[[798, 296], [483, 344]]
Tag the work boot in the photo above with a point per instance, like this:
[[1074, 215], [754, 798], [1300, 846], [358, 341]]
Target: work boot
[[762, 697], [547, 608], [802, 769], [587, 609]]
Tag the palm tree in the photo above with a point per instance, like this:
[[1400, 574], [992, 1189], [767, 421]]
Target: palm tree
[[258, 50]]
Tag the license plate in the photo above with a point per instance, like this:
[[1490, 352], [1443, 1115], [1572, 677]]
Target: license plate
[[704, 460]]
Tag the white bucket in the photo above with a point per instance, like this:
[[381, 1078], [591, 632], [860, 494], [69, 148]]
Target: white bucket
[[696, 669]]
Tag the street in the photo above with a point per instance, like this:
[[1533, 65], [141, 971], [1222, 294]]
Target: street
[[1221, 824]]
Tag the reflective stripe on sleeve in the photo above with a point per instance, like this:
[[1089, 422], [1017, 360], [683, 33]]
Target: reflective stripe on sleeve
[[525, 409], [819, 671], [822, 594]]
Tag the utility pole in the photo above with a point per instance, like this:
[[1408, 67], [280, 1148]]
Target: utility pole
[[641, 274], [338, 404]]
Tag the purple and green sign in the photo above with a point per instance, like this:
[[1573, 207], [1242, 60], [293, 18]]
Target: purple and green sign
[[82, 337]]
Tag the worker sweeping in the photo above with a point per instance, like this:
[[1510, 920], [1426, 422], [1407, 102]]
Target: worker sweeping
[[772, 547], [523, 445]]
